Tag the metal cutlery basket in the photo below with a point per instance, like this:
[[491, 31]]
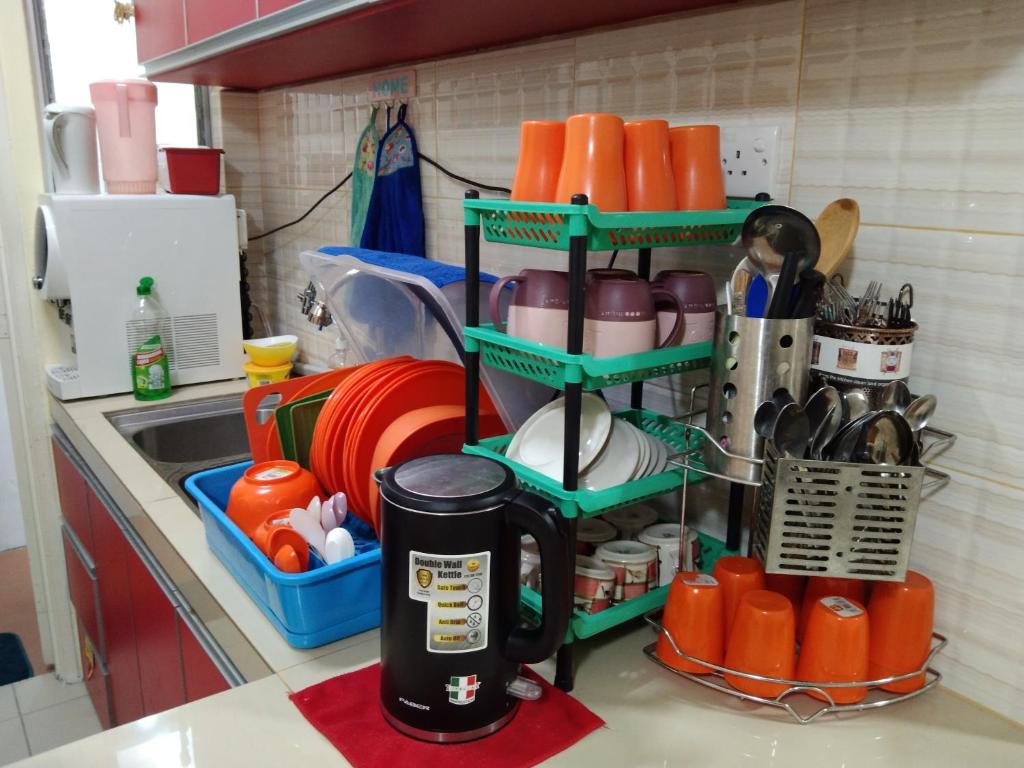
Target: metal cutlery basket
[[833, 518]]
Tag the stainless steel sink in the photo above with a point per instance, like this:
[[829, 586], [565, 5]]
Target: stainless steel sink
[[180, 439]]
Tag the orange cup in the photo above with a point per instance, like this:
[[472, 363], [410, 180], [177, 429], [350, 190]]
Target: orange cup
[[737, 575], [541, 143], [697, 167], [762, 641], [826, 586], [593, 161], [693, 617], [650, 185], [789, 585], [902, 614], [835, 648]]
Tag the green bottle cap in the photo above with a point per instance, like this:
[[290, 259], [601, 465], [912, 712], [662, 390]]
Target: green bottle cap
[[145, 286]]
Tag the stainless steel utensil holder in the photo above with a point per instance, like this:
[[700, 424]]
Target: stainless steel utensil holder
[[812, 709], [753, 358]]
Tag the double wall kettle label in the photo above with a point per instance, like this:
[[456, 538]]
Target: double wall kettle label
[[456, 589]]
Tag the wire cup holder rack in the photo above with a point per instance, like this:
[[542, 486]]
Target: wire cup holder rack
[[876, 697]]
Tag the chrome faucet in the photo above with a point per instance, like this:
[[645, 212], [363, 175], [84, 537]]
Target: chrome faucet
[[315, 310]]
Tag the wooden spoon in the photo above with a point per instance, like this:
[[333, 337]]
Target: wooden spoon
[[837, 226]]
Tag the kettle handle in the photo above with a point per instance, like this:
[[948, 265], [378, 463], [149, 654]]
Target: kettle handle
[[50, 127], [534, 515]]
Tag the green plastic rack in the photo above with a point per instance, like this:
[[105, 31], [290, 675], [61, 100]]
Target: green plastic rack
[[584, 625], [550, 225], [589, 503], [555, 367]]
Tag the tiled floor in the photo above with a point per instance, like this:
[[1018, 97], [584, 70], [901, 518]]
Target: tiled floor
[[43, 713], [17, 606]]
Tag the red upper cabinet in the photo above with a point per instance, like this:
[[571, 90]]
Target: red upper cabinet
[[204, 19], [159, 27], [267, 7]]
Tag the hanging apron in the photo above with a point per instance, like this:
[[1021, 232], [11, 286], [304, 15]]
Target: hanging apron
[[363, 173], [394, 220]]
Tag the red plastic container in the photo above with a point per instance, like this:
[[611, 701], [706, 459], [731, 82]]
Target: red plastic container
[[193, 170]]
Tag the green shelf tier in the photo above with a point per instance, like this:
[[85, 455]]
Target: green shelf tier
[[583, 625], [589, 503], [550, 225], [555, 367]]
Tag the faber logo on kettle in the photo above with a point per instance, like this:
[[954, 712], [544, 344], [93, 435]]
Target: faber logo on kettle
[[462, 690]]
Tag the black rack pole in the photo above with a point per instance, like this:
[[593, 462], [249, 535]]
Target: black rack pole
[[643, 268], [564, 673], [472, 321]]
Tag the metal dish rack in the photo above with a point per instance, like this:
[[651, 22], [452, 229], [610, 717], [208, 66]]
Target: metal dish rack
[[875, 699]]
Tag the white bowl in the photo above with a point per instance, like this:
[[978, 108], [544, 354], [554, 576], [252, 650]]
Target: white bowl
[[540, 441]]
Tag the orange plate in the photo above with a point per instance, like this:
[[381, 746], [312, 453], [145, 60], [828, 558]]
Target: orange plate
[[319, 449], [336, 438], [422, 432], [411, 387]]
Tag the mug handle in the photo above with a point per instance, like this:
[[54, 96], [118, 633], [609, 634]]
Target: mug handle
[[495, 299], [667, 294]]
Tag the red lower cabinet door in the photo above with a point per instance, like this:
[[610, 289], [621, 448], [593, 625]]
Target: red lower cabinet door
[[72, 491], [82, 585], [156, 640], [202, 678], [111, 552], [95, 677]]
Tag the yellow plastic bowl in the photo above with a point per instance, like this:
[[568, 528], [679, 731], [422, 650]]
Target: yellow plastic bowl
[[272, 351], [266, 374]]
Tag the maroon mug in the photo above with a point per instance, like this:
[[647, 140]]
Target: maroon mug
[[620, 317], [539, 308], [696, 298]]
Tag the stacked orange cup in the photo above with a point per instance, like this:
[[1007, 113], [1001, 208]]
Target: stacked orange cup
[[835, 648], [827, 586], [737, 575], [761, 643], [902, 614], [693, 618], [593, 161], [650, 184], [697, 167], [541, 146]]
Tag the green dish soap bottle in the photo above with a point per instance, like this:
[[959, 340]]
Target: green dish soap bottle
[[151, 374]]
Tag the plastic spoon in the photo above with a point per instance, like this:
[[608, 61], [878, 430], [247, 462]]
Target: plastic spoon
[[308, 529], [340, 546]]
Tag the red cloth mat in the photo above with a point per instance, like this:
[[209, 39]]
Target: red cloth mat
[[346, 709]]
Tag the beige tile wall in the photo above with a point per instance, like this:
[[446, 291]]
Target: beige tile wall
[[912, 108]]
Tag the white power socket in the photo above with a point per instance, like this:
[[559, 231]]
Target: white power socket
[[749, 158]]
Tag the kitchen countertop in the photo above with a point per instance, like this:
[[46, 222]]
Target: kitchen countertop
[[653, 718]]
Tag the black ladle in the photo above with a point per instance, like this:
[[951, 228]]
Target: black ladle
[[780, 238]]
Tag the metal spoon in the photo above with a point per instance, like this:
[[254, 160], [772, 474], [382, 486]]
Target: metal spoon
[[764, 419], [919, 411], [826, 430], [819, 404], [886, 438], [896, 396], [844, 443], [792, 432], [855, 405]]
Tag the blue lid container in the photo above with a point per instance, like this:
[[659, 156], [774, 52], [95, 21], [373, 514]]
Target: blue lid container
[[322, 605]]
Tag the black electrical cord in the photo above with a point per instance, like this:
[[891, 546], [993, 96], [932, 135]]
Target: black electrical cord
[[315, 205], [611, 261], [342, 183], [463, 179]]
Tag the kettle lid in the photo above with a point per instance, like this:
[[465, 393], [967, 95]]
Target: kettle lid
[[447, 483]]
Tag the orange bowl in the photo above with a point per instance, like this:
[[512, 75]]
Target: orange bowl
[[267, 488]]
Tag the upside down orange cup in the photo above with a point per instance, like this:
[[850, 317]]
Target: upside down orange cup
[[737, 575], [835, 648], [827, 586], [593, 161], [697, 167], [902, 615], [650, 185], [541, 144], [693, 617], [789, 585], [761, 643]]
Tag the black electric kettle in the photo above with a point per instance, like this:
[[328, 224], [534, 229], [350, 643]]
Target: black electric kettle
[[451, 638]]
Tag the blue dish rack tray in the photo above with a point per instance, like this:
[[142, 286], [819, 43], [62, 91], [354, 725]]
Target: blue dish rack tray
[[324, 604]]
